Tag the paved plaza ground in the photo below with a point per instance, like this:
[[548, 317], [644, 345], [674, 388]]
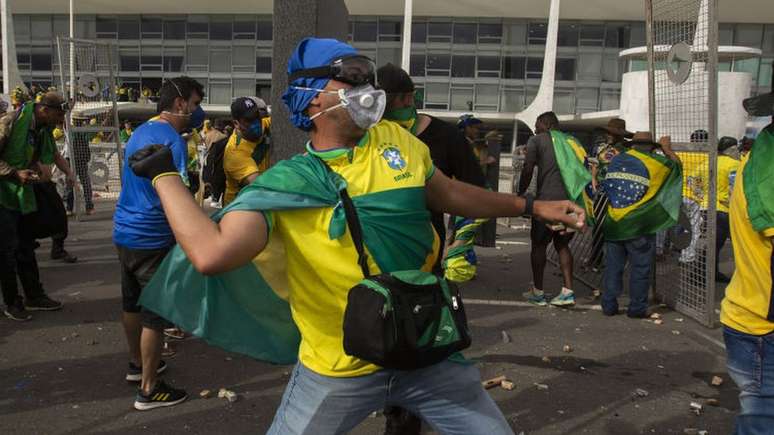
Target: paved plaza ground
[[63, 372]]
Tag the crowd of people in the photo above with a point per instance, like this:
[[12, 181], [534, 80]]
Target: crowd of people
[[368, 199]]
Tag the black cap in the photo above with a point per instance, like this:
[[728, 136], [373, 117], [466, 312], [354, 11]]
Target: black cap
[[726, 142], [247, 107], [394, 80]]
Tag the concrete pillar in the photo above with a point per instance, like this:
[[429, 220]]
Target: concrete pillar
[[294, 20], [11, 75]]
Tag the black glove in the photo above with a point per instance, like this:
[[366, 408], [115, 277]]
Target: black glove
[[152, 161]]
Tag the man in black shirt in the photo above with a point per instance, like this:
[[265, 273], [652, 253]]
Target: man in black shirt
[[451, 154]]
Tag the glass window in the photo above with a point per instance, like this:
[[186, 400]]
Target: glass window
[[513, 67], [129, 60], [768, 39], [365, 31], [725, 34], [564, 101], [386, 55], [106, 27], [537, 33], [173, 60], [512, 100], [515, 33], [463, 66], [611, 69], [615, 35], [150, 59], [220, 30], [389, 30], [40, 28], [243, 87], [40, 60], [438, 64], [197, 55], [263, 64], [637, 35], [61, 26], [749, 35], [418, 32], [487, 95], [83, 28], [565, 69], [568, 35], [243, 55], [128, 29], [220, 61], [464, 33], [437, 93], [23, 59], [764, 78], [490, 33], [461, 98], [198, 27], [263, 30], [220, 93], [488, 66], [748, 65], [592, 35], [589, 66], [244, 29], [417, 65], [21, 26], [439, 32], [610, 100], [152, 28], [529, 95], [534, 67], [587, 100], [174, 30]]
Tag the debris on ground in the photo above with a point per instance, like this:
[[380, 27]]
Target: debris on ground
[[691, 431], [205, 394], [491, 383], [655, 316], [506, 338], [716, 381], [228, 358], [696, 408], [227, 394], [658, 321], [546, 360], [567, 348], [541, 387], [712, 402], [675, 332], [639, 392], [679, 319], [507, 385]]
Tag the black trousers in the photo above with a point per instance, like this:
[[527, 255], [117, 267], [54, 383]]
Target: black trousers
[[723, 230], [17, 258]]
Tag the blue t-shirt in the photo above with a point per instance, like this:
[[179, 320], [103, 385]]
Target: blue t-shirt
[[139, 221]]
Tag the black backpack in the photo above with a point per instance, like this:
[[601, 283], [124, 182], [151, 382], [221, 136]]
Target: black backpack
[[213, 173]]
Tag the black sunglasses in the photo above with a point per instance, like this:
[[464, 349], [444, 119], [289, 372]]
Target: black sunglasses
[[354, 70]]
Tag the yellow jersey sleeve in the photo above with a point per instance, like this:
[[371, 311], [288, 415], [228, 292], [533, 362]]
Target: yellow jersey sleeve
[[238, 163]]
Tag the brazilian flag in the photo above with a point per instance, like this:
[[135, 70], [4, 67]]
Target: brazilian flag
[[644, 192], [571, 159], [246, 310], [759, 181]]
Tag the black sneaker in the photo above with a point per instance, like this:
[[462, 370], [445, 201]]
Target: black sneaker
[[42, 303], [162, 395], [64, 256], [134, 374], [17, 312]]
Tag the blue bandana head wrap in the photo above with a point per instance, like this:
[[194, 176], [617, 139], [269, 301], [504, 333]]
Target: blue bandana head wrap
[[310, 53]]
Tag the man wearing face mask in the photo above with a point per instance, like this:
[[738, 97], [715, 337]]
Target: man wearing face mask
[[143, 237], [247, 152], [392, 182]]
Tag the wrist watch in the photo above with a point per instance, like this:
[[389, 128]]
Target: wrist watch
[[530, 199]]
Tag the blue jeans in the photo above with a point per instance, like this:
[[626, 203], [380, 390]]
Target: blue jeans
[[447, 395], [750, 362], [640, 253]]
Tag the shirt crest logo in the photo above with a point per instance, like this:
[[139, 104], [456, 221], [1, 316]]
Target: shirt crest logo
[[394, 159]]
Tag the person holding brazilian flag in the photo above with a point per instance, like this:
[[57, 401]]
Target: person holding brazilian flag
[[747, 311], [270, 275], [644, 190]]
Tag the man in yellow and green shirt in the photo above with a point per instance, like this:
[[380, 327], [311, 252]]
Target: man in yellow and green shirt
[[388, 173], [247, 152]]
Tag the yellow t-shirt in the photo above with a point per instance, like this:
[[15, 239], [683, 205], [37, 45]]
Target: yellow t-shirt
[[238, 164], [748, 305], [727, 167], [695, 176], [320, 270]]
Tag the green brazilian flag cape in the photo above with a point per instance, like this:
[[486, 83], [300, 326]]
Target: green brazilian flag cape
[[246, 310], [571, 157], [759, 181], [644, 193]]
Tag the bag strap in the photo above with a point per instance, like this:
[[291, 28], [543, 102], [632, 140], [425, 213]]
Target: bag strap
[[353, 223]]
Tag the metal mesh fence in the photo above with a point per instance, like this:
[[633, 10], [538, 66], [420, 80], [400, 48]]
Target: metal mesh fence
[[93, 146], [682, 58]]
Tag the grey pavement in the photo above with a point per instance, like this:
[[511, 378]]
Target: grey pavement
[[62, 373]]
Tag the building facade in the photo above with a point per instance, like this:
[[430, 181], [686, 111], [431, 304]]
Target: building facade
[[462, 64]]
